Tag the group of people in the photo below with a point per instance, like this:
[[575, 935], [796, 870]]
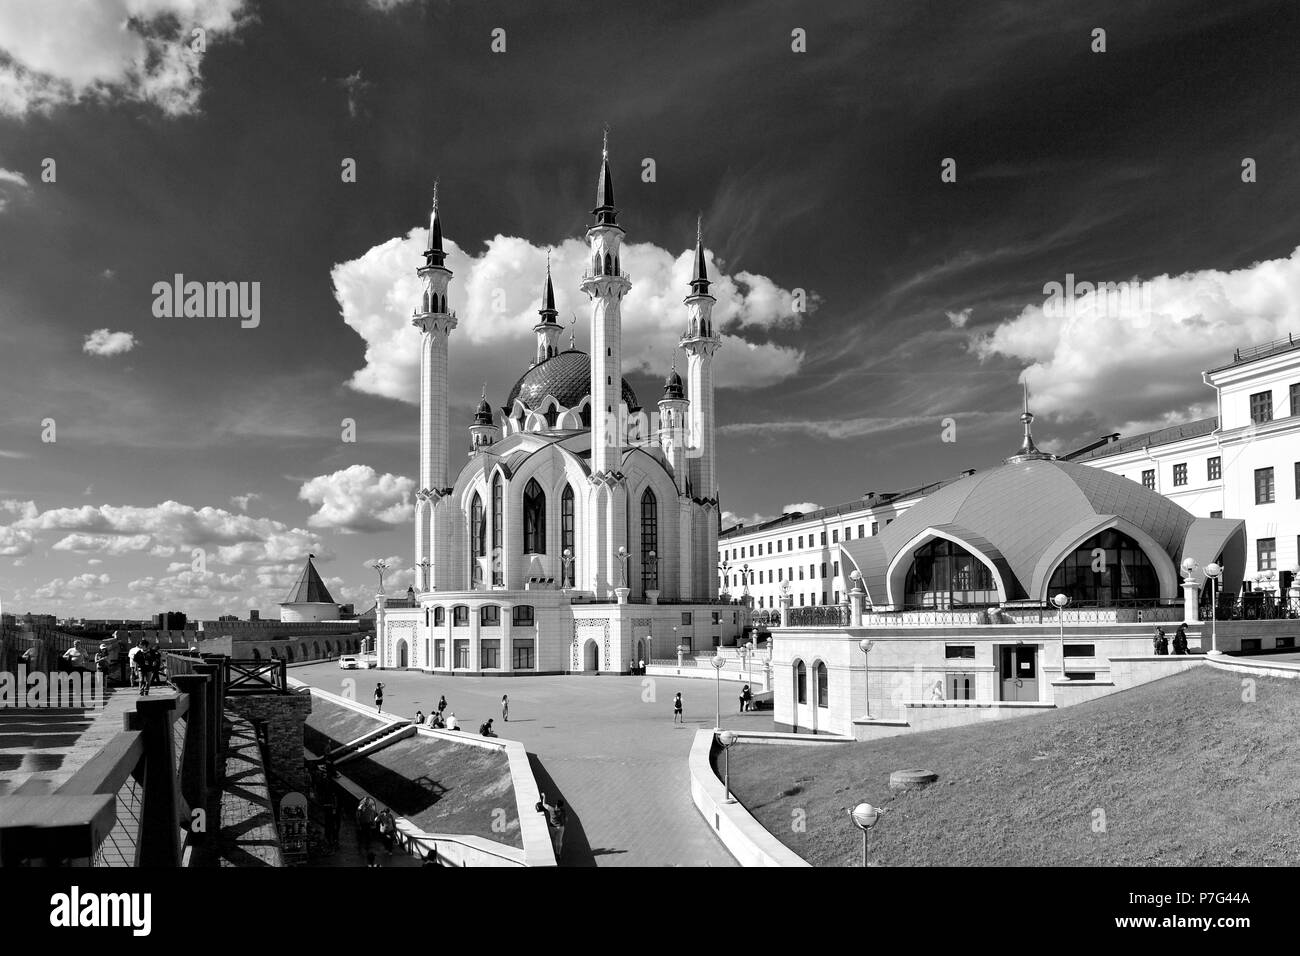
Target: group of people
[[146, 665], [437, 721], [746, 699], [1160, 641]]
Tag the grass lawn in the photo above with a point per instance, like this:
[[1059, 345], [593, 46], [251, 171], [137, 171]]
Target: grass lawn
[[1178, 772], [443, 786], [336, 724]]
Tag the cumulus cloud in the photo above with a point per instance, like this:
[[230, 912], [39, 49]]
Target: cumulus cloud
[[496, 297], [10, 182], [105, 343], [803, 507], [164, 530], [357, 500], [243, 501], [730, 518], [62, 51], [1130, 360], [958, 320]]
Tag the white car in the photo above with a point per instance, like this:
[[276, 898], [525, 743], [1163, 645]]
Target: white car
[[350, 662]]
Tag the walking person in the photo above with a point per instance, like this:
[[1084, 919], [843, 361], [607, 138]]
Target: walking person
[[505, 708], [1180, 639], [365, 821], [442, 703], [678, 716], [148, 660], [387, 829], [1157, 639], [379, 698]]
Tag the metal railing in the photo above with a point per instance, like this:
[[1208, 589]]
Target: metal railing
[[139, 801], [820, 615]]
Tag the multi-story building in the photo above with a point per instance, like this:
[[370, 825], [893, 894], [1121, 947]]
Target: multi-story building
[[799, 553], [1243, 462]]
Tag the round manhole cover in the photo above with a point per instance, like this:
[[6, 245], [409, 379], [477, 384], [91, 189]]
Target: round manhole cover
[[911, 779]]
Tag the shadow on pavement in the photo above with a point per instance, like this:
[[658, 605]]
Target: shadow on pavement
[[576, 850]]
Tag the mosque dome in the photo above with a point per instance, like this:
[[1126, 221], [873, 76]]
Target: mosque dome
[[566, 377]]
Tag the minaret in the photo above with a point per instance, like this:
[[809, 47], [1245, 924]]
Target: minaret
[[673, 411], [548, 330], [435, 321], [700, 342], [606, 285], [483, 431]]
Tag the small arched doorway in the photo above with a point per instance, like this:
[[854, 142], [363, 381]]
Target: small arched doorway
[[591, 656], [401, 653], [640, 654]]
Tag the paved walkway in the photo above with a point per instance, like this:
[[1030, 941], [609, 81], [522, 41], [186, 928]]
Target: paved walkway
[[607, 745]]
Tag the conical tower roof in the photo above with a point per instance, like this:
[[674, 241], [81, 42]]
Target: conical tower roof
[[309, 589]]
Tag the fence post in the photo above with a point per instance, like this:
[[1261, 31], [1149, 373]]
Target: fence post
[[215, 703], [194, 758], [158, 843]]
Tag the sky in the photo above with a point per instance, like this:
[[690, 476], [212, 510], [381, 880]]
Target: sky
[[917, 174]]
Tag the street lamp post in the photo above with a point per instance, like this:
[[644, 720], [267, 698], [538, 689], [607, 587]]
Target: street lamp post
[[726, 739], [722, 569], [622, 556], [566, 559], [718, 662], [866, 647], [425, 565], [381, 567], [1061, 600], [1213, 571], [865, 816]]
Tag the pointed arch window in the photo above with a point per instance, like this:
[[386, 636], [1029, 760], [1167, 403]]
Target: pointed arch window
[[567, 529], [609, 265], [498, 578], [534, 518], [477, 541], [649, 541]]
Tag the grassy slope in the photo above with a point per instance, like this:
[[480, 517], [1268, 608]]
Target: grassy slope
[[338, 724], [1185, 772], [442, 786]]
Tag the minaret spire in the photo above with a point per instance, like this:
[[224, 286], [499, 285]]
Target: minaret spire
[[433, 254], [700, 278], [548, 330], [606, 214]]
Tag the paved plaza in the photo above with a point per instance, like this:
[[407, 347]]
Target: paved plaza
[[607, 745]]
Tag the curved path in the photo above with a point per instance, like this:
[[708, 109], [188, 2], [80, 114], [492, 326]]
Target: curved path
[[607, 745]]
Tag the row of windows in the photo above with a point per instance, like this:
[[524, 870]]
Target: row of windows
[[1213, 472], [811, 599], [801, 683], [813, 541], [775, 576], [1261, 404], [489, 654], [1265, 485], [489, 615]]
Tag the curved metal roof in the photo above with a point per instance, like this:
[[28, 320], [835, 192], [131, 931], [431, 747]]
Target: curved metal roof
[[567, 376], [1020, 512]]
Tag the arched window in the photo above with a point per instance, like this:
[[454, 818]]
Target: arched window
[[609, 265], [439, 617], [498, 518], [649, 541], [800, 682], [288, 652], [315, 648], [477, 542], [586, 416], [616, 268], [944, 574], [1106, 569], [823, 686], [534, 518], [567, 529]]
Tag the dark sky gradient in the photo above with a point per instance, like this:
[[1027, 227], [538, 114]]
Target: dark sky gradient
[[820, 171]]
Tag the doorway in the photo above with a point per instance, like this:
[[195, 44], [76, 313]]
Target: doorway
[[401, 653], [1019, 672], [590, 657]]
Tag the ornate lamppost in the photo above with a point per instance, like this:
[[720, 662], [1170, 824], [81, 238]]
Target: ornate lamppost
[[1214, 571], [865, 816], [1061, 600], [566, 569], [425, 566], [866, 647], [722, 569], [381, 567], [726, 739]]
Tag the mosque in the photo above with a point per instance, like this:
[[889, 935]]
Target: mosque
[[582, 533]]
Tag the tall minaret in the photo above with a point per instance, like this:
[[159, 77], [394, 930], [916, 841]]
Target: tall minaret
[[606, 285], [548, 330], [435, 321], [700, 342]]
